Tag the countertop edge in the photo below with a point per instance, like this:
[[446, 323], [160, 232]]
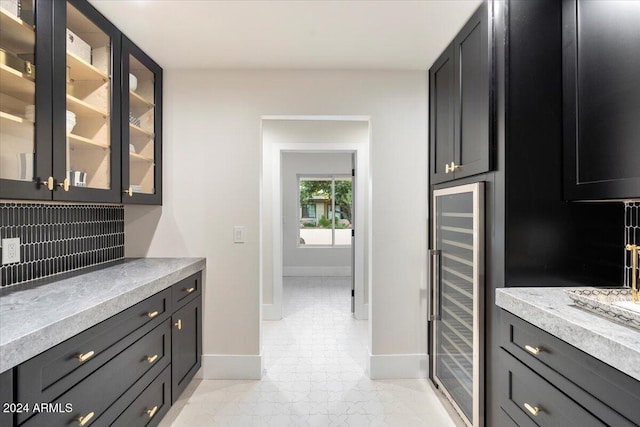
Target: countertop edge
[[617, 354], [27, 346]]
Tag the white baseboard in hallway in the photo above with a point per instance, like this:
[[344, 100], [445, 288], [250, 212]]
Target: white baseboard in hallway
[[231, 367], [397, 366], [337, 271]]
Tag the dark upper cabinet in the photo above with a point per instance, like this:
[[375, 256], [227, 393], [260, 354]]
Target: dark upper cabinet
[[601, 64], [142, 126], [460, 100], [68, 115]]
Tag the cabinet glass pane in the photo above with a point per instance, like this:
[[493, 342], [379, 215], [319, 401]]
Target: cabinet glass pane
[[17, 90], [454, 341], [88, 103], [141, 127]]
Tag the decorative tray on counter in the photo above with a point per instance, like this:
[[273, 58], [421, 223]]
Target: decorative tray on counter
[[614, 304]]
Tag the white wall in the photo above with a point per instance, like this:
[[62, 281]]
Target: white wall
[[212, 182]]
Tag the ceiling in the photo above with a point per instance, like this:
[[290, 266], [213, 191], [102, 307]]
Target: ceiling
[[295, 34]]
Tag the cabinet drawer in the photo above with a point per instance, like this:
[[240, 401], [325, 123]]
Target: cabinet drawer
[[186, 289], [523, 388], [151, 405], [51, 373], [98, 391], [605, 383]]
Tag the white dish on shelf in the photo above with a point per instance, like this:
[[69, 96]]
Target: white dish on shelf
[[132, 149], [136, 188], [133, 82]]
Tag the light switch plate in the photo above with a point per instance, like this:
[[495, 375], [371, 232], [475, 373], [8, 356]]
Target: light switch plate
[[238, 234], [10, 250]]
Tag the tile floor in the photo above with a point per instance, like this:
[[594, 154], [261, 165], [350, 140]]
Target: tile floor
[[315, 361]]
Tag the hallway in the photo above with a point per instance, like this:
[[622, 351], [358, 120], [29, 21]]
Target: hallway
[[315, 362]]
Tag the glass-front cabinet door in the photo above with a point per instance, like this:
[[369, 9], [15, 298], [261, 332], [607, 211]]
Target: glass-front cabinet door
[[142, 138], [25, 99], [86, 93]]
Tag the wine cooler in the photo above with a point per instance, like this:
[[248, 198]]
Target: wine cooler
[[457, 295]]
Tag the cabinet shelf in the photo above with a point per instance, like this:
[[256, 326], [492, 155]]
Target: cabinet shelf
[[137, 158], [17, 35], [138, 101], [80, 142], [139, 132], [17, 84], [16, 126], [82, 108], [82, 70]]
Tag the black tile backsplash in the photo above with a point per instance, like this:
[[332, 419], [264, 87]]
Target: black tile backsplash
[[631, 234], [56, 239]]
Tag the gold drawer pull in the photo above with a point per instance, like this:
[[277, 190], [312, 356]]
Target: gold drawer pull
[[533, 350], [178, 324], [534, 410], [152, 359], [152, 314], [151, 412], [83, 357], [83, 420], [189, 290]]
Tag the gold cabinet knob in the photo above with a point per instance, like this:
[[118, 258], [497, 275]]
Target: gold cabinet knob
[[189, 290], [64, 184], [178, 324], [49, 183], [151, 412], [83, 357], [533, 350], [129, 191], [152, 314], [447, 168], [533, 410], [151, 359], [83, 420]]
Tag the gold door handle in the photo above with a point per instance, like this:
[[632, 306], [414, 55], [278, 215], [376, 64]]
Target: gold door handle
[[152, 314], [83, 420], [189, 290], [178, 324], [83, 357], [533, 350], [447, 169], [49, 183], [151, 359], [151, 412], [534, 410], [64, 184], [129, 191]]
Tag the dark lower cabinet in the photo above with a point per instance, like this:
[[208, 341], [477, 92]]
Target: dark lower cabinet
[[601, 99], [125, 371], [186, 347], [546, 382]]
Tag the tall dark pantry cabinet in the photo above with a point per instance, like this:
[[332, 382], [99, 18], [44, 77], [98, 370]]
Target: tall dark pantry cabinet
[[530, 231]]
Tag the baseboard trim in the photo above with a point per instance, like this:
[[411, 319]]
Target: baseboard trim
[[271, 312], [397, 366], [231, 367], [338, 271]]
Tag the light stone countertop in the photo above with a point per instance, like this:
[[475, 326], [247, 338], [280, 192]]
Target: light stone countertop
[[552, 310], [36, 318]]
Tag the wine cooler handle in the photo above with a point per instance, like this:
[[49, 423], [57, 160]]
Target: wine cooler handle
[[434, 286]]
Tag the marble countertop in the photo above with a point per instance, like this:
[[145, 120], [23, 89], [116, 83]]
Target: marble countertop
[[36, 318], [552, 310]]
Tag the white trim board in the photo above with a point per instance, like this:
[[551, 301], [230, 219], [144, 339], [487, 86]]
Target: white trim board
[[337, 271], [397, 366], [231, 367], [271, 312]]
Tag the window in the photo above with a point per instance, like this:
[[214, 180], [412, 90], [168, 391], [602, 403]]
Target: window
[[325, 210]]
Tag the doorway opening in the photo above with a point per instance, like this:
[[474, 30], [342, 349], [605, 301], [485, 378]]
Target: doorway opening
[[314, 137]]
